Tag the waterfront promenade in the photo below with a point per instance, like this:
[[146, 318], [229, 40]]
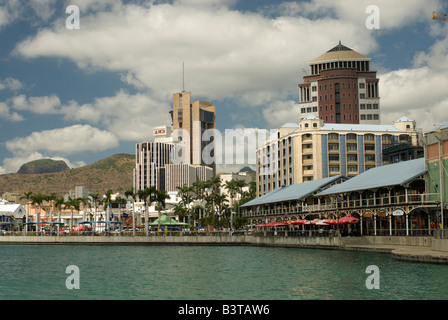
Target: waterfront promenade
[[418, 249]]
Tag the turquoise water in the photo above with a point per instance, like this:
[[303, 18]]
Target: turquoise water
[[211, 273]]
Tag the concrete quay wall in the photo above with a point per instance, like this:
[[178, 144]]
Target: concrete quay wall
[[400, 241], [440, 245], [176, 240]]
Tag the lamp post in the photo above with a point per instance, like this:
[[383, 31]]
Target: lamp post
[[442, 187]]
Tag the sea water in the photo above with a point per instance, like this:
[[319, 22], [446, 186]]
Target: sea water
[[211, 273]]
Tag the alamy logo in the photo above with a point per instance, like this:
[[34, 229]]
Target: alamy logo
[[72, 281], [373, 281], [373, 20], [72, 21], [235, 146]]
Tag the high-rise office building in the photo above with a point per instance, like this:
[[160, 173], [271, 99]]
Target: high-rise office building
[[340, 88], [193, 118], [312, 150], [175, 156]]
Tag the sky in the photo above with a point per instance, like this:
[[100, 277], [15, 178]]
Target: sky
[[85, 94]]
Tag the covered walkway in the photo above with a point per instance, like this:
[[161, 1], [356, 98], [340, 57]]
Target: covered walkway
[[389, 200]]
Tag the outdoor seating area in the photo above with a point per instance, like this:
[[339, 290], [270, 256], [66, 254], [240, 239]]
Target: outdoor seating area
[[389, 201]]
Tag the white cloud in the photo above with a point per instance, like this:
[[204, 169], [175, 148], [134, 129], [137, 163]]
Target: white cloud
[[40, 105], [65, 141], [393, 14], [44, 9], [254, 59], [418, 93], [11, 84], [228, 54], [129, 117], [281, 112], [5, 113]]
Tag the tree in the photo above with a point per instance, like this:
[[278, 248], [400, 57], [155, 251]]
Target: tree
[[180, 211], [200, 189], [239, 185], [27, 196], [85, 202], [215, 184], [38, 200], [186, 195], [72, 204], [50, 199], [147, 195], [95, 199], [231, 187], [133, 195], [160, 197], [58, 203]]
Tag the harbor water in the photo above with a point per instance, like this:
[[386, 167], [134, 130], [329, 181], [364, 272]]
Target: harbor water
[[211, 273]]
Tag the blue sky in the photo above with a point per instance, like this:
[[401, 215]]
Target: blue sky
[[82, 95]]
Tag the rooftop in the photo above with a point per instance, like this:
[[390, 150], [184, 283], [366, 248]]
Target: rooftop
[[390, 175], [292, 192], [340, 52]]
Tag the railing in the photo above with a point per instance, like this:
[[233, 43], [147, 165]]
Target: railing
[[397, 200], [399, 232], [415, 199], [321, 232]]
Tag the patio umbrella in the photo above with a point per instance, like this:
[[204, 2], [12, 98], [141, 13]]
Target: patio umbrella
[[332, 222], [295, 222], [280, 224], [319, 222], [270, 224], [348, 219]]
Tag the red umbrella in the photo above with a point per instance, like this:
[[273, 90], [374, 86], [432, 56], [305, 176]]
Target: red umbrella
[[296, 222], [348, 219], [333, 222], [280, 224], [270, 224]]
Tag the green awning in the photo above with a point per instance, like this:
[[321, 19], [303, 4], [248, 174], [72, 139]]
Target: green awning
[[167, 221]]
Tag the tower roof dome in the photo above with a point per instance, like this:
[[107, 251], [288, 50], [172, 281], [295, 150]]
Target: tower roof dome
[[340, 52]]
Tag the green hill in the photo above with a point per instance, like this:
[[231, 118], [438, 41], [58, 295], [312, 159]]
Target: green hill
[[114, 173]]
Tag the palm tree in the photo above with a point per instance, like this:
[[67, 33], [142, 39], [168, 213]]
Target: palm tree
[[200, 189], [72, 204], [239, 185], [27, 196], [180, 211], [38, 200], [107, 198], [231, 187], [186, 194], [160, 197], [85, 202], [95, 199], [147, 195], [133, 195], [58, 203], [50, 198], [215, 184]]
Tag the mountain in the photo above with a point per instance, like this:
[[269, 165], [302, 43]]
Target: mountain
[[248, 170], [114, 173], [43, 166]]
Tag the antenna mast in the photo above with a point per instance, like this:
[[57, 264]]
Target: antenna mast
[[183, 77]]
